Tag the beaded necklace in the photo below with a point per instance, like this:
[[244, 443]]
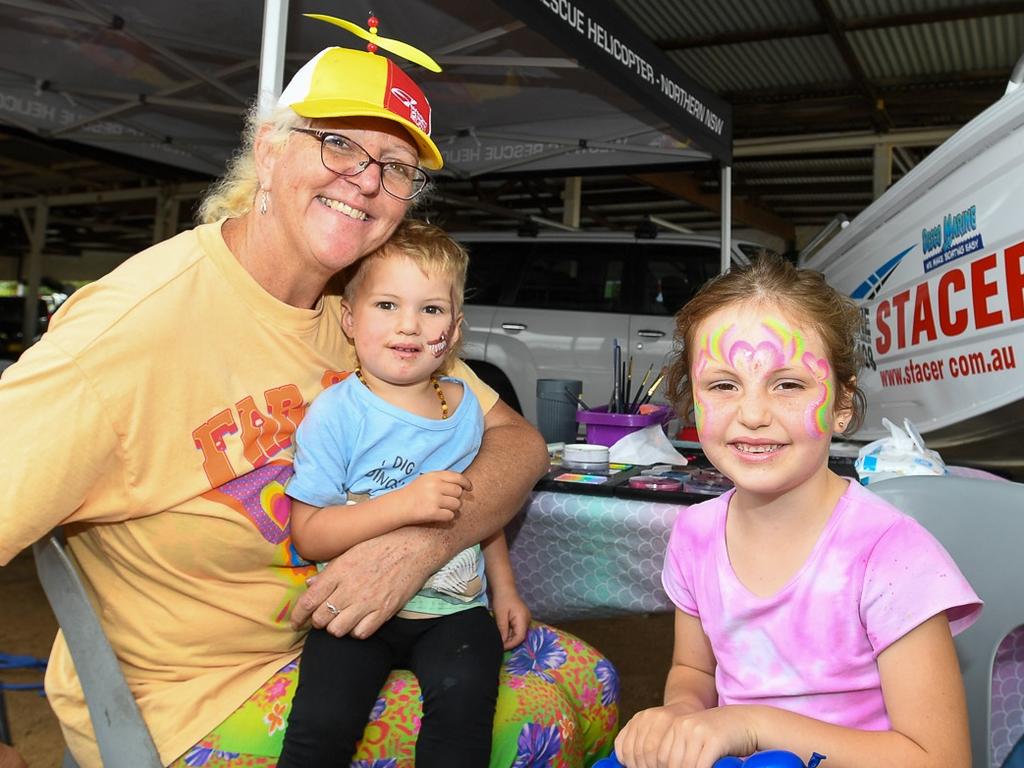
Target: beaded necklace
[[433, 380]]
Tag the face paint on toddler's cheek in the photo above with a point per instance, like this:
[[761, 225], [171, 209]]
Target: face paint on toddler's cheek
[[439, 345]]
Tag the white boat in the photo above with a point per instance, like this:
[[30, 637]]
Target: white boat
[[937, 264]]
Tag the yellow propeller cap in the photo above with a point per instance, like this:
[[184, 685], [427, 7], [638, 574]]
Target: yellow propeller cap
[[342, 82]]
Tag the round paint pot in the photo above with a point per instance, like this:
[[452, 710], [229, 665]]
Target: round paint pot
[[654, 483], [585, 456]]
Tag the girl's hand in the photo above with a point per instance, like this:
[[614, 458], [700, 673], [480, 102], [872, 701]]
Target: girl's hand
[[665, 738], [434, 497], [512, 616]]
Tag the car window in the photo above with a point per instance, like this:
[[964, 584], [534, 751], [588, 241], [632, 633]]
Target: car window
[[672, 273], [582, 277], [493, 269]]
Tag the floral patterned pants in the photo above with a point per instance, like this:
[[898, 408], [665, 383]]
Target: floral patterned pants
[[557, 706]]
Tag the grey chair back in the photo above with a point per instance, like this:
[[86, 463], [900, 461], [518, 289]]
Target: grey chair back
[[122, 736], [981, 525]]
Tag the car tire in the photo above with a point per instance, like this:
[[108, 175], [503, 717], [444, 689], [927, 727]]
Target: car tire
[[493, 377]]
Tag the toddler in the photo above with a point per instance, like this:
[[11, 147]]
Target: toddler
[[382, 449]]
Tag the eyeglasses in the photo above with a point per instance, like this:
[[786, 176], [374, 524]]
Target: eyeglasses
[[346, 158]]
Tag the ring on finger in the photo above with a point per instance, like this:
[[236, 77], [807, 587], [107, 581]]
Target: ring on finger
[[332, 608]]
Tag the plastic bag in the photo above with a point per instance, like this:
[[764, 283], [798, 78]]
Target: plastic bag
[[902, 453]]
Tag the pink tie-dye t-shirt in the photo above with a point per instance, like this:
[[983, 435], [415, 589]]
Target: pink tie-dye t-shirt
[[811, 648]]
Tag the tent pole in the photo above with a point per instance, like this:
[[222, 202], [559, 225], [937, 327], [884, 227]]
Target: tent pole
[[275, 29], [726, 190]]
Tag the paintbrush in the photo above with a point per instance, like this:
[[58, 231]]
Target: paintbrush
[[613, 405], [576, 399], [621, 407], [635, 402], [650, 392], [627, 394]]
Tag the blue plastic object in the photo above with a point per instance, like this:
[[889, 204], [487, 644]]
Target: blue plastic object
[[10, 661], [771, 758]]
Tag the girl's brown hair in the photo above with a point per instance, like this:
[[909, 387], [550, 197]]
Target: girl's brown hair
[[801, 293]]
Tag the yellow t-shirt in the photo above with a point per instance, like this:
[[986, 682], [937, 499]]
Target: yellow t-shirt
[[164, 398]]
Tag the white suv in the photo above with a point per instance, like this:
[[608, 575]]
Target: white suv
[[551, 306]]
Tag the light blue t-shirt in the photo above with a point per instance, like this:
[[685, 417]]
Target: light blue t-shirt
[[351, 444]]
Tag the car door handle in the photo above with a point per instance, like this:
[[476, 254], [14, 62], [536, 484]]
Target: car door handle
[[647, 333], [513, 327]]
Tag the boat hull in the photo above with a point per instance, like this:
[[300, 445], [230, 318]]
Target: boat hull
[[937, 265]]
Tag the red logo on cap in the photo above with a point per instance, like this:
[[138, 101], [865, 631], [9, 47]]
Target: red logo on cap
[[405, 99]]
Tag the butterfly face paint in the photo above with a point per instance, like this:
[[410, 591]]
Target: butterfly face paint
[[764, 393], [793, 344], [757, 352]]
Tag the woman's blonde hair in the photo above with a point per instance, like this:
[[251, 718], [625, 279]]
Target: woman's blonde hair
[[802, 293], [235, 194]]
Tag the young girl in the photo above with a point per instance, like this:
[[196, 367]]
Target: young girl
[[811, 614], [391, 441]]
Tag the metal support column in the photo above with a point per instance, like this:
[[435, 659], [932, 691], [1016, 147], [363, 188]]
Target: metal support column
[[37, 238], [571, 197], [726, 189], [160, 217], [275, 29], [172, 215], [882, 170]]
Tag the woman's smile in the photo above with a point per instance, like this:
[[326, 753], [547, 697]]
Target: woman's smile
[[340, 207]]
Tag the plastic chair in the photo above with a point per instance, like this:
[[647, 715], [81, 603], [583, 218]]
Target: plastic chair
[[121, 734], [981, 525]]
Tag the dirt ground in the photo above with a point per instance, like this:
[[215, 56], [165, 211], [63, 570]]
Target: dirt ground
[[639, 646], [27, 628]]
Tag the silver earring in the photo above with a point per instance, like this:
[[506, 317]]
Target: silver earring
[[264, 202]]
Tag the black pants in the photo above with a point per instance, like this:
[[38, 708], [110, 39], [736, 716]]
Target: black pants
[[456, 659]]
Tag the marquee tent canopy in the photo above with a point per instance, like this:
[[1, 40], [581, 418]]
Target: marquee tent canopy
[[528, 85]]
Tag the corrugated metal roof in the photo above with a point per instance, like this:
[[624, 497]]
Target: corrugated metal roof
[[859, 9], [806, 180], [949, 47], [764, 64], [671, 19], [884, 53], [816, 163]]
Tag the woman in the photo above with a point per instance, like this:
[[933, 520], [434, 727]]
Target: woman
[[154, 421]]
